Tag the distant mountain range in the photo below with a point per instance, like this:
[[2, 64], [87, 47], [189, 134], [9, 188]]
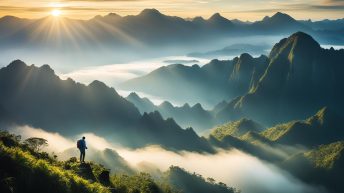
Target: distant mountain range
[[35, 96], [149, 26], [225, 79], [294, 81], [186, 115], [142, 35]]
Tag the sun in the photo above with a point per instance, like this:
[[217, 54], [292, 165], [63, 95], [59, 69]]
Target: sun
[[56, 12]]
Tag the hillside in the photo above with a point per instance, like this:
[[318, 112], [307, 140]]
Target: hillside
[[37, 97], [236, 128], [24, 170], [195, 183], [322, 128], [322, 165]]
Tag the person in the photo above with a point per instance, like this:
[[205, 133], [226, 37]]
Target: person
[[82, 147]]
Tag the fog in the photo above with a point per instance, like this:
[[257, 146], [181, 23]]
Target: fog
[[113, 74], [233, 167]]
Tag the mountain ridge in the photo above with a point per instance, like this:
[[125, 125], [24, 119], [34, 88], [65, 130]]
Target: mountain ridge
[[295, 83], [37, 97]]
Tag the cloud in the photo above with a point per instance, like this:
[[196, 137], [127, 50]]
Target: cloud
[[65, 8], [293, 7], [56, 142], [328, 7], [114, 74]]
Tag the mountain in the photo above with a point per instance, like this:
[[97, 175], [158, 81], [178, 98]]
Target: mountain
[[134, 37], [325, 24], [149, 27], [189, 116], [220, 23], [279, 23], [244, 134], [162, 132], [226, 79], [321, 165], [301, 77], [143, 104], [236, 128], [186, 116], [322, 128], [35, 96], [278, 143]]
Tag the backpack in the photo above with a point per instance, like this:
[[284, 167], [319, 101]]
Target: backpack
[[78, 144]]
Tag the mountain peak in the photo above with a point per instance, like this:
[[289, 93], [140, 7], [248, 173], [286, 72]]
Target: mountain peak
[[16, 64], [297, 40], [9, 18], [166, 104], [245, 56], [97, 84], [198, 106], [325, 115], [279, 18], [186, 105], [280, 15], [133, 95], [150, 12], [218, 17], [46, 68], [112, 15], [198, 19], [302, 35], [304, 39]]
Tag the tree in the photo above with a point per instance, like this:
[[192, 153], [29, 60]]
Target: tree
[[36, 143], [211, 180]]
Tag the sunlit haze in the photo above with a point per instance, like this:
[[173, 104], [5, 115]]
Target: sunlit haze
[[56, 12]]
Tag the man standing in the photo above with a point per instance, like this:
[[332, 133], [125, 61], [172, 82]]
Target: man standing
[[81, 144]]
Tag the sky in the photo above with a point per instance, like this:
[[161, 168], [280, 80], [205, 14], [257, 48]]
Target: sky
[[250, 10]]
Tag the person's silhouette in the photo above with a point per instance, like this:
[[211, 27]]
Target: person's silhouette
[[82, 147]]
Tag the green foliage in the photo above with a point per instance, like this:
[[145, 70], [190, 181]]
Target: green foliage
[[325, 156], [9, 139], [140, 183], [195, 183], [235, 128], [38, 175], [274, 133], [23, 169]]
